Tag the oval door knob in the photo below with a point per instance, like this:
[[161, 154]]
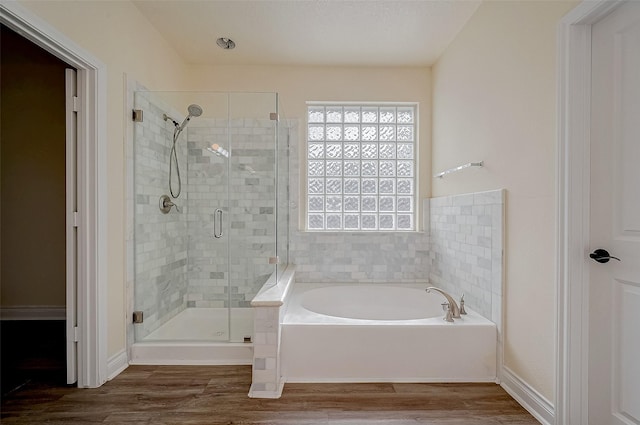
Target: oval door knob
[[602, 256]]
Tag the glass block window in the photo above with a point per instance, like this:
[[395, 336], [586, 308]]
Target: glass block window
[[361, 167]]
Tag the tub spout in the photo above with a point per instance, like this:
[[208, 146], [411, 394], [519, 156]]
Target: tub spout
[[453, 306]]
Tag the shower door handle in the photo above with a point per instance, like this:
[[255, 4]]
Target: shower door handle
[[218, 214]]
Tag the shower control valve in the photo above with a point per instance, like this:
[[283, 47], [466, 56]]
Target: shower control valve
[[166, 204]]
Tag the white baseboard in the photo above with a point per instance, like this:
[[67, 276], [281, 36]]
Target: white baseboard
[[116, 364], [33, 312], [536, 404]]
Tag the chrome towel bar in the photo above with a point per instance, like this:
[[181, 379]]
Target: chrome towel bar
[[458, 168]]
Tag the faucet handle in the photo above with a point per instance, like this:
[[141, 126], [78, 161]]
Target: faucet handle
[[166, 204], [462, 310], [176, 206], [448, 316]]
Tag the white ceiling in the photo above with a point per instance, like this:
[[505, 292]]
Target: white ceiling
[[310, 32]]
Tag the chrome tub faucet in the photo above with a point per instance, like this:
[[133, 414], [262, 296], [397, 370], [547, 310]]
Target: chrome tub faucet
[[453, 311]]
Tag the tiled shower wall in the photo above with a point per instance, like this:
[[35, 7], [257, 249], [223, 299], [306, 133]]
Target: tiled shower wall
[[467, 248], [243, 187], [161, 242], [352, 257], [283, 204]]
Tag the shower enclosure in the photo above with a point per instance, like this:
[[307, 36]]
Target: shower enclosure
[[211, 213]]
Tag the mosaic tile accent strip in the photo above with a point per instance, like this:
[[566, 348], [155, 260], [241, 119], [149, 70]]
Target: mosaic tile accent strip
[[467, 248]]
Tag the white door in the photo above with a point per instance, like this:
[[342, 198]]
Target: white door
[[71, 225], [614, 292]]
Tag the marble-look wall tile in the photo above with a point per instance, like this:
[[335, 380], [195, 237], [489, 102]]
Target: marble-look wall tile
[[160, 240], [466, 249]]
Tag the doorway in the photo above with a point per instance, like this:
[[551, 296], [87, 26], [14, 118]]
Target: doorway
[[91, 231], [33, 217]]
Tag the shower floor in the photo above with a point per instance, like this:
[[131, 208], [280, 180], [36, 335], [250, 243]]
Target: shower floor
[[199, 336], [206, 324]]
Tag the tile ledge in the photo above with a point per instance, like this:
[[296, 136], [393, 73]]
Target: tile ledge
[[272, 293]]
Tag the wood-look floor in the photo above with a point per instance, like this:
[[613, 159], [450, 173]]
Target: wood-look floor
[[214, 395]]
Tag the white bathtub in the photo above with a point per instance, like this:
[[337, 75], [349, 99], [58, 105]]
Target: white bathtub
[[382, 333]]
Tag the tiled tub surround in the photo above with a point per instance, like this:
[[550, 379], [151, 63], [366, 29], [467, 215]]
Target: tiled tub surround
[[360, 257], [467, 248], [295, 344]]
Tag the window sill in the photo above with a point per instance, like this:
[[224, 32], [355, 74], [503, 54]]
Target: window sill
[[362, 232]]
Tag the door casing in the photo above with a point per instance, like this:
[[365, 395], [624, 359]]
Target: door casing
[[572, 214]]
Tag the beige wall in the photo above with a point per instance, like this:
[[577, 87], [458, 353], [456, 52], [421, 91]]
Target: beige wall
[[116, 33], [33, 257], [494, 94]]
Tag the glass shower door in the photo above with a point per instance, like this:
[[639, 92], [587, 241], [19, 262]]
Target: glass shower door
[[199, 264], [207, 216], [252, 203]]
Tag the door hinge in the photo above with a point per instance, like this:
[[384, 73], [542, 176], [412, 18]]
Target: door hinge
[[137, 115], [76, 334], [75, 219], [138, 317], [76, 104]]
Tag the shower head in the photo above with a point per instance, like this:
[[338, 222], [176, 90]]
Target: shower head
[[194, 111]]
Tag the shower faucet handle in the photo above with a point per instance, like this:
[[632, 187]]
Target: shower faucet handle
[[166, 204]]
